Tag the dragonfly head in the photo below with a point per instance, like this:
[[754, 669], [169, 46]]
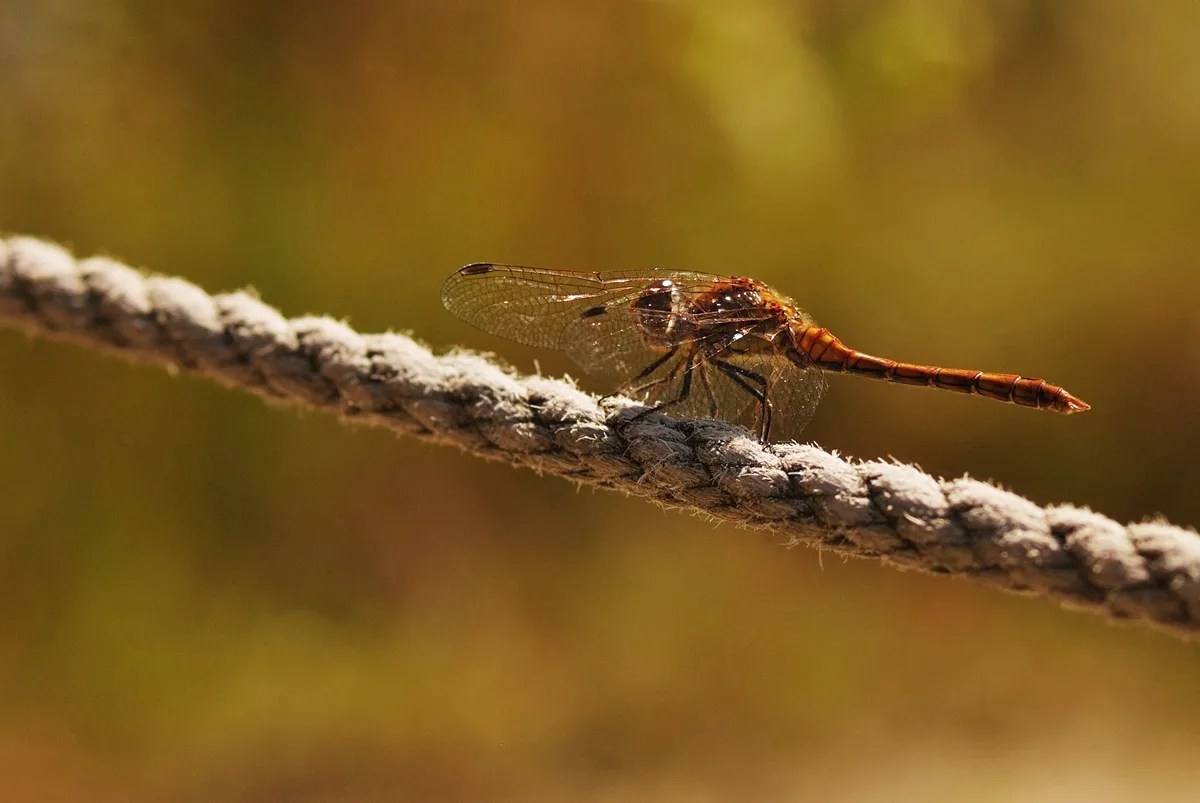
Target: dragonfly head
[[659, 296]]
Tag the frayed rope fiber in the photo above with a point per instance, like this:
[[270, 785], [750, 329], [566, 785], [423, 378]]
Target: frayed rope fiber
[[1147, 572]]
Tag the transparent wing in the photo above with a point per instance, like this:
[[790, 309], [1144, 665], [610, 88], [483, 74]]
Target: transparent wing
[[795, 391], [699, 384], [608, 342], [761, 390], [536, 306]]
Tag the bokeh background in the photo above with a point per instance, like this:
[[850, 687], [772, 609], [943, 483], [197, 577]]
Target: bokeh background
[[204, 598]]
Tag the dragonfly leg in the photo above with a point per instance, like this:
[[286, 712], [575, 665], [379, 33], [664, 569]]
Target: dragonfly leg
[[688, 365], [654, 366], [670, 377], [649, 369], [712, 399], [739, 377], [685, 390]]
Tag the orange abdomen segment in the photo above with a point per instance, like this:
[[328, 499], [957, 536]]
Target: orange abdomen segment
[[821, 347]]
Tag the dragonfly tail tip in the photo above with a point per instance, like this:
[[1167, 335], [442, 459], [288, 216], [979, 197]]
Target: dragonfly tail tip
[[1074, 405]]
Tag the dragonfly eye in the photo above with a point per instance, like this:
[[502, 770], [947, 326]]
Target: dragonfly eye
[[657, 298]]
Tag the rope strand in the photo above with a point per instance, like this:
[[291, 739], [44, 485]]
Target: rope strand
[[1147, 572]]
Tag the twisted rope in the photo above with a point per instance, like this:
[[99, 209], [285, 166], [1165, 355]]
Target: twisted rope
[[1147, 572]]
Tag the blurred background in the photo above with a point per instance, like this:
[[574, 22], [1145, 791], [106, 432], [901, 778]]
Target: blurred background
[[203, 598]]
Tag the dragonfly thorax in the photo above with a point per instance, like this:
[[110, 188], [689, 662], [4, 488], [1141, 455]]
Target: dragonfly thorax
[[724, 314], [730, 299]]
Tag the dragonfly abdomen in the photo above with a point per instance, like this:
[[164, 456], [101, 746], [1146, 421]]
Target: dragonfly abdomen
[[830, 354]]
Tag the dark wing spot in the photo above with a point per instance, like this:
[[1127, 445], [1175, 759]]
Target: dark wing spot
[[476, 268], [593, 312]]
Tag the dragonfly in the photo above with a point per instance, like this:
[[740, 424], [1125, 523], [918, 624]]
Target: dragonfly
[[700, 345]]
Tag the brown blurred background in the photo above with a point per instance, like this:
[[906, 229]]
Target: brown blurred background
[[206, 599]]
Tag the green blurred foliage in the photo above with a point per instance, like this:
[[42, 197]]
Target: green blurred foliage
[[204, 598]]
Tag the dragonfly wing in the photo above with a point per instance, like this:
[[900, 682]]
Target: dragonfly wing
[[703, 378], [537, 306], [685, 381], [529, 305], [610, 341], [795, 391], [763, 391], [607, 343]]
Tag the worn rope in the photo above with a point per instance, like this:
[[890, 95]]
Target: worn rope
[[1148, 572]]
